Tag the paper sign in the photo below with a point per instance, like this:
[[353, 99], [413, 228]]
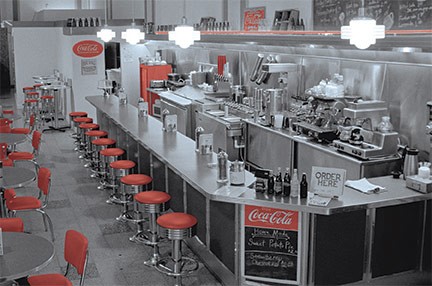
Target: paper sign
[[88, 66], [327, 182]]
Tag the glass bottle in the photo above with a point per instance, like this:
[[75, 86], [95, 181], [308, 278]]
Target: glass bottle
[[295, 184], [278, 182], [287, 183], [303, 187], [271, 183], [385, 125]]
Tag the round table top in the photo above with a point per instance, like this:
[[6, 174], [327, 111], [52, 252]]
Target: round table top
[[12, 138], [24, 254], [53, 86], [14, 177]]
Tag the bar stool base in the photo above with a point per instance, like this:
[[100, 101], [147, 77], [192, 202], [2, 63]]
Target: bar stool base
[[152, 261], [166, 266]]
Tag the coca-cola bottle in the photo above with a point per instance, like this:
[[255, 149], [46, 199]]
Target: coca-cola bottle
[[278, 182], [287, 183], [271, 183], [303, 187]]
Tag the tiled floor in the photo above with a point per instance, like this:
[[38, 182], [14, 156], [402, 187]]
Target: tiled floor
[[75, 203]]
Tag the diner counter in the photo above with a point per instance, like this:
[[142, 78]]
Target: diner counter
[[178, 152], [341, 238]]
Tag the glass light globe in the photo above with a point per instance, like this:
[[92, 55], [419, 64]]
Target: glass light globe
[[133, 35], [184, 36], [106, 34], [363, 32]]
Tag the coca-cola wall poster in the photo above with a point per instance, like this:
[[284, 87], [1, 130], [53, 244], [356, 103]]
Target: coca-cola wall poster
[[271, 245]]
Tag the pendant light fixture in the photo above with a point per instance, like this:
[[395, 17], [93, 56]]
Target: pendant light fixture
[[184, 35], [106, 34], [133, 35], [362, 31]]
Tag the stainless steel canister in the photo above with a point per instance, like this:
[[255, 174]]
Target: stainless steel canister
[[198, 131], [222, 174]]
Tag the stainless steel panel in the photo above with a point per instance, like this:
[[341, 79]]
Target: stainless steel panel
[[267, 149], [308, 156], [183, 118], [407, 89], [363, 78], [221, 140]]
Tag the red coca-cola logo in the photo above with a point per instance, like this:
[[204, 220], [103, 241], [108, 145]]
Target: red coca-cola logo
[[88, 49], [271, 218]]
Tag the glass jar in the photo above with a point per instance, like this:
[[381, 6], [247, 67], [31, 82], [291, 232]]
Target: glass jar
[[385, 125]]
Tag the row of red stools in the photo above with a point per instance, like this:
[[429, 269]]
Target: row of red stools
[[115, 174]]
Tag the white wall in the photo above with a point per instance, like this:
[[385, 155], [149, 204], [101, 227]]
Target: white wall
[[127, 9], [6, 10], [129, 63], [49, 50], [35, 54], [83, 85], [29, 7], [171, 11]]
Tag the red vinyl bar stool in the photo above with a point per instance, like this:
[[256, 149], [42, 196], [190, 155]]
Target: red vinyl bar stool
[[72, 116], [77, 121], [119, 169], [89, 137], [107, 156], [132, 185], [27, 89], [99, 145], [32, 95], [153, 203], [12, 224], [176, 227], [82, 129]]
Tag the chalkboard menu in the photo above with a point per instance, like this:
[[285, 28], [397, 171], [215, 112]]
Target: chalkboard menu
[[393, 14], [271, 243]]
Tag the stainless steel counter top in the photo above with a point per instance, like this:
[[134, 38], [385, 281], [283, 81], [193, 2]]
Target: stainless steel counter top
[[178, 152]]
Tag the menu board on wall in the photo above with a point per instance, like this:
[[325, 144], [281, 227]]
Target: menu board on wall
[[393, 14], [271, 245]]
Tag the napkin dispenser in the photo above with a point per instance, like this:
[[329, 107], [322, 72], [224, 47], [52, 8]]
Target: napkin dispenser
[[419, 184]]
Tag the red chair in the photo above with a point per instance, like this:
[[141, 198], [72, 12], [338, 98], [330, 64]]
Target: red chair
[[12, 224], [30, 203], [4, 155], [75, 254], [26, 130], [5, 125], [29, 156]]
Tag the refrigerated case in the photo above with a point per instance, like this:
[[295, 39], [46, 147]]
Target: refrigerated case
[[148, 73]]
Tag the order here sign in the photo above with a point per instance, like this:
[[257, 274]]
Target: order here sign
[[328, 182]]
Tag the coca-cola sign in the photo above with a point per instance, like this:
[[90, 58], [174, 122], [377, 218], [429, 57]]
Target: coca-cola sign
[[88, 49], [271, 218]]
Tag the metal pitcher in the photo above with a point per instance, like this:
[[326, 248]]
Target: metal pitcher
[[410, 162]]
